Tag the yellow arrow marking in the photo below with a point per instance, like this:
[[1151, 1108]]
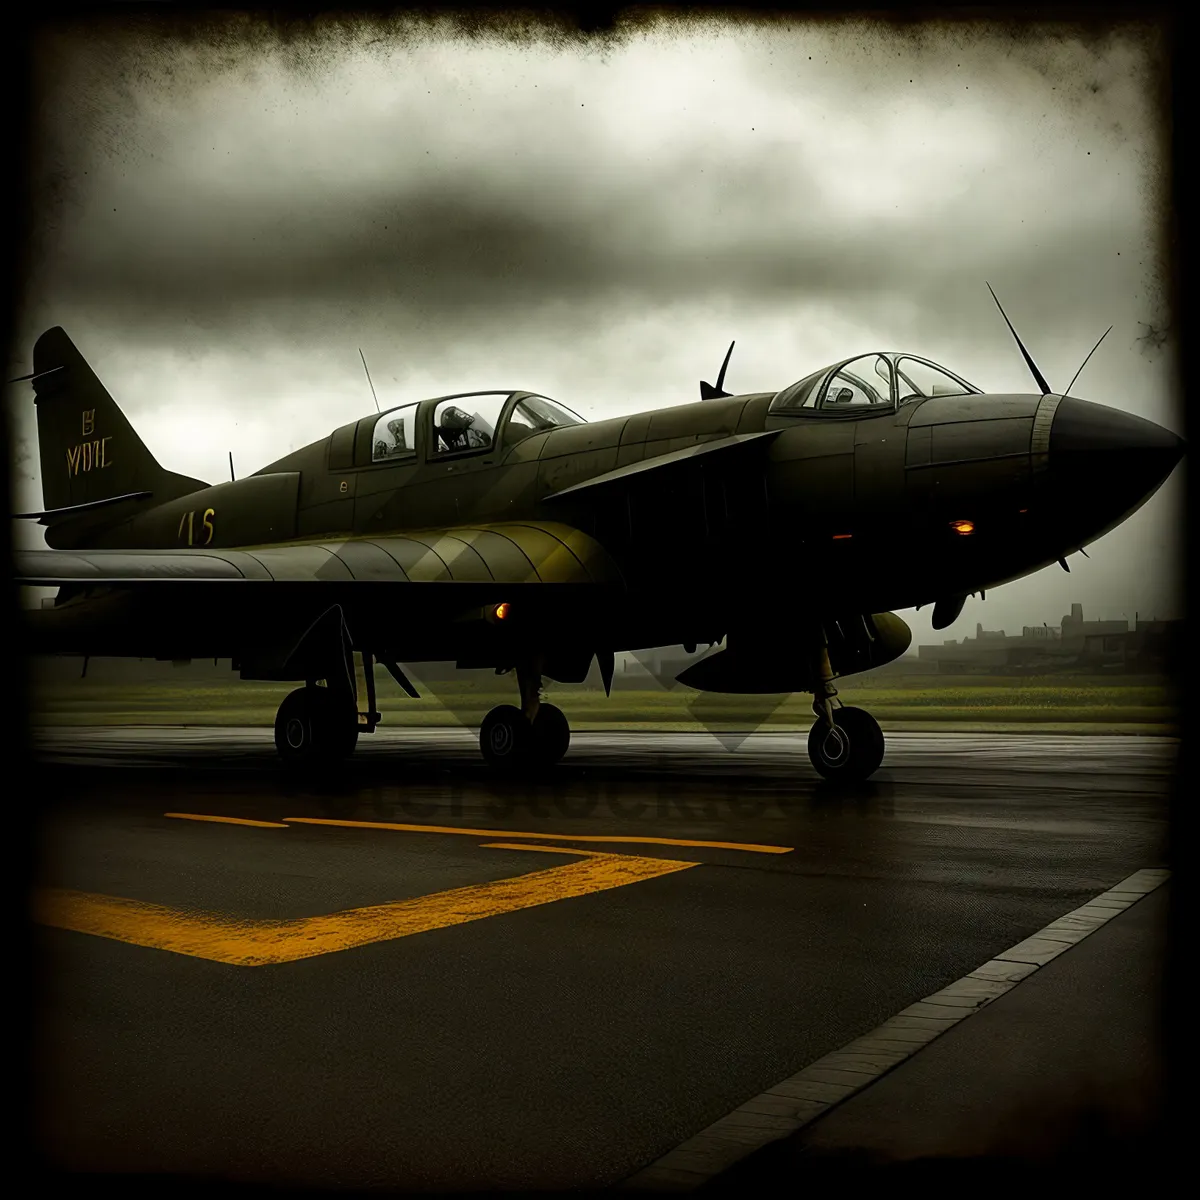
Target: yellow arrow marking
[[541, 849], [258, 943]]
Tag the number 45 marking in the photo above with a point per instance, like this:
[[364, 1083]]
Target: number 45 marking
[[189, 519]]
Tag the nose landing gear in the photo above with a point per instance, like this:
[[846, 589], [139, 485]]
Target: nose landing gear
[[850, 747], [843, 743]]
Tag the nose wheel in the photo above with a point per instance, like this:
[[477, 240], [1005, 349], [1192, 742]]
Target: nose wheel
[[850, 748]]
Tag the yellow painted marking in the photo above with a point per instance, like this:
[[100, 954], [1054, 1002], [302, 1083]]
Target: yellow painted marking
[[549, 837], [226, 820], [542, 849], [257, 943]]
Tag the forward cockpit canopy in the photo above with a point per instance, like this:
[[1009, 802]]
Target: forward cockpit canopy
[[881, 380]]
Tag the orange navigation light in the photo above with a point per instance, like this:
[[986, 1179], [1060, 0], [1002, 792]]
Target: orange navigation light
[[502, 611], [963, 527], [839, 537]]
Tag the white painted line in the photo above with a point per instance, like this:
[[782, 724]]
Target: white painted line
[[812, 1092]]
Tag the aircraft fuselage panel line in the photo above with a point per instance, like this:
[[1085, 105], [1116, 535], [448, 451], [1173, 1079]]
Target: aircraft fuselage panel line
[[557, 550], [367, 561], [460, 558]]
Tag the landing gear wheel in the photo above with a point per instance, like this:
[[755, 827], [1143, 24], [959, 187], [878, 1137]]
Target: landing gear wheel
[[851, 750], [506, 737], [551, 735], [293, 729], [314, 725], [335, 721]]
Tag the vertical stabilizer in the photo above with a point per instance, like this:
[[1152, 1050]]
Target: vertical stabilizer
[[89, 451]]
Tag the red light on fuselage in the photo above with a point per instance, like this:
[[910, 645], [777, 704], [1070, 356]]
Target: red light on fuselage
[[963, 527], [841, 537], [502, 611]]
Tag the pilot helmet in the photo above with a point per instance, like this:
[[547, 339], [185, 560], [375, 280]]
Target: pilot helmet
[[454, 418]]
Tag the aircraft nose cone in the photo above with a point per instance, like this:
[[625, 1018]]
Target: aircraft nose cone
[[1102, 451]]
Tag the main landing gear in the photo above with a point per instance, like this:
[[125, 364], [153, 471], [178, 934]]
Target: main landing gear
[[843, 743], [534, 735], [316, 725]]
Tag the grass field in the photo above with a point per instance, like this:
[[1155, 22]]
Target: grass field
[[1049, 703]]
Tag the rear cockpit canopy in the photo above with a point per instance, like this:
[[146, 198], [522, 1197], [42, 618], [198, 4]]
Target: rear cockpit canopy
[[469, 421], [881, 380]]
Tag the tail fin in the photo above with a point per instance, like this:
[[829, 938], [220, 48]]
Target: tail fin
[[89, 452]]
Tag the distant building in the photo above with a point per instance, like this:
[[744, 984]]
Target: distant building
[[1075, 643], [1041, 633], [988, 635]]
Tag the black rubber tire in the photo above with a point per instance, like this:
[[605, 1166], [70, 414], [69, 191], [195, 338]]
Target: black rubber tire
[[293, 728], [335, 722], [505, 737], [551, 735], [853, 751], [314, 725]]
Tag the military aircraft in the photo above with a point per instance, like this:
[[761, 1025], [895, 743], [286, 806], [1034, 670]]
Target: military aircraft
[[501, 530]]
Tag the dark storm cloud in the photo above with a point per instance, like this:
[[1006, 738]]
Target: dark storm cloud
[[463, 245], [480, 202]]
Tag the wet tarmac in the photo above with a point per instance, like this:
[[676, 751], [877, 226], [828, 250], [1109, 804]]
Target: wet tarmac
[[415, 974]]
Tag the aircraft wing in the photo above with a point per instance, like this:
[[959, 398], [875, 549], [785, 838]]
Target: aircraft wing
[[504, 553]]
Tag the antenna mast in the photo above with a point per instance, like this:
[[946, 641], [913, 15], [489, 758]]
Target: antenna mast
[[371, 385]]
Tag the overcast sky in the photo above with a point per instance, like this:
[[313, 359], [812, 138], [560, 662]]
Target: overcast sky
[[224, 221]]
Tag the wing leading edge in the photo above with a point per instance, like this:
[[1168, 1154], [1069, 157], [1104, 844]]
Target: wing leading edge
[[503, 553]]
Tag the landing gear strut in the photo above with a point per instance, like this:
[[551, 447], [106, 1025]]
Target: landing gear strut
[[843, 743], [536, 734]]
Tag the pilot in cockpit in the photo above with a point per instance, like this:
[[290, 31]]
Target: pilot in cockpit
[[399, 443], [457, 432]]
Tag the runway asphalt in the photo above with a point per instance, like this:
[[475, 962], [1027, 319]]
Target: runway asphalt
[[421, 976]]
